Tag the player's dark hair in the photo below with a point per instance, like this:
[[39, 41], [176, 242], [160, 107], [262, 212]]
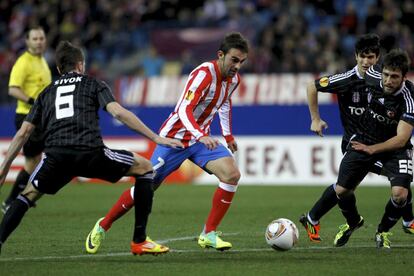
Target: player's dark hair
[[40, 28], [236, 41], [397, 59], [67, 56], [369, 43]]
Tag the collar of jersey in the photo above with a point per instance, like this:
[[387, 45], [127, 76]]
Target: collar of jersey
[[357, 72]]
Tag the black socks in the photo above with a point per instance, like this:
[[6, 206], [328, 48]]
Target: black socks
[[391, 216], [349, 209], [143, 194], [326, 202], [13, 216], [21, 182]]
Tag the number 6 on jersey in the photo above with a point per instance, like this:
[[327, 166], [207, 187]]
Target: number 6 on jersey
[[64, 101]]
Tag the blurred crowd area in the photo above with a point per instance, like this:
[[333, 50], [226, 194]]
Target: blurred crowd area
[[140, 37]]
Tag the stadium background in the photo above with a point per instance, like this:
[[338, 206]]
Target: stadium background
[[144, 49]]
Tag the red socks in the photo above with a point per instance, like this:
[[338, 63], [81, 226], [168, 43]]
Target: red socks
[[124, 203], [221, 202]]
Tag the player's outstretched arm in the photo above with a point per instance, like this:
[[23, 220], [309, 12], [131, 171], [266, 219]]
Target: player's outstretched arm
[[404, 131], [134, 123], [317, 124], [16, 144]]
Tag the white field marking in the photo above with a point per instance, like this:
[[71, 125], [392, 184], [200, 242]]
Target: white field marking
[[202, 251], [188, 238]]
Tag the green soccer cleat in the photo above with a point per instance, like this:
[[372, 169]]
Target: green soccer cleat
[[95, 238], [345, 232], [212, 240], [409, 229], [382, 239]]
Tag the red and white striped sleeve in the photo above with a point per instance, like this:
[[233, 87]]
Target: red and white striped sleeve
[[197, 85], [225, 120]]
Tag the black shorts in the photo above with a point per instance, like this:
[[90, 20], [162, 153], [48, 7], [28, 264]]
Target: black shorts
[[35, 144], [376, 168], [61, 165], [355, 166]]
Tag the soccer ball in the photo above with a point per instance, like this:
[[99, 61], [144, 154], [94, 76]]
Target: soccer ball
[[282, 234]]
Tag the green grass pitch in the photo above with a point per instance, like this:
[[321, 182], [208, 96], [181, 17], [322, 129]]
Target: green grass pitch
[[50, 239]]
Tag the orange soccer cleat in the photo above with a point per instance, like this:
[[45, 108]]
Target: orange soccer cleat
[[311, 230], [148, 247]]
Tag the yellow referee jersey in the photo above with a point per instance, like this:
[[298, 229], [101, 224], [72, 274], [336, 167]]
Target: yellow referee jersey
[[31, 74]]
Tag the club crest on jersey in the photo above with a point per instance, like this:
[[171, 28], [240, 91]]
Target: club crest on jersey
[[190, 95], [390, 114], [356, 98], [323, 82]]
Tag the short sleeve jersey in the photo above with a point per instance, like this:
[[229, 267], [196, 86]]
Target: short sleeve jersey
[[31, 74], [384, 112], [67, 110], [352, 98]]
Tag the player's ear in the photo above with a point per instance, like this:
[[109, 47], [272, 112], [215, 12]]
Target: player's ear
[[80, 66], [220, 54]]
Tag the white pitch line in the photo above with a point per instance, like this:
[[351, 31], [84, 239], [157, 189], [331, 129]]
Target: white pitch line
[[120, 254], [189, 238], [107, 254]]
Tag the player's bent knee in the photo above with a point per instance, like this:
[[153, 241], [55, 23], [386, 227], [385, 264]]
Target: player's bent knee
[[146, 167], [232, 176], [399, 195], [399, 199], [31, 193], [141, 166], [342, 191]]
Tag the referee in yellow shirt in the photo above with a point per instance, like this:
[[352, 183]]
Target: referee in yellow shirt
[[29, 76]]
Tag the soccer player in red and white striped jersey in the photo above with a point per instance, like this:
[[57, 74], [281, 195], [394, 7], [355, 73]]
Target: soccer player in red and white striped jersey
[[207, 92]]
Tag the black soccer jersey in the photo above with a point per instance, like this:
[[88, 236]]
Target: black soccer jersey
[[380, 121], [67, 110], [352, 98]]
